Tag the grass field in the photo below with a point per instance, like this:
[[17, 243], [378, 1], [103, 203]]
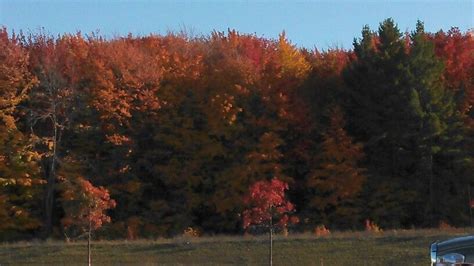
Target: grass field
[[407, 247]]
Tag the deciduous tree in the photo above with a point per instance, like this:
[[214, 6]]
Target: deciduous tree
[[20, 183], [268, 207], [85, 206], [54, 103]]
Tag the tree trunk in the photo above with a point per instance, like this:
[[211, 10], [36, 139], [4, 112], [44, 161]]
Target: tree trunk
[[470, 206], [432, 189], [271, 242], [89, 262], [51, 180]]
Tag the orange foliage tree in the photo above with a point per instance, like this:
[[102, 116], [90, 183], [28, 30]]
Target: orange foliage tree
[[85, 206], [54, 103], [179, 127], [19, 172], [337, 178]]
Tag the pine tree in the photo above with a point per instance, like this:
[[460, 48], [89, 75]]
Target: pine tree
[[337, 178], [377, 97], [439, 129], [407, 119]]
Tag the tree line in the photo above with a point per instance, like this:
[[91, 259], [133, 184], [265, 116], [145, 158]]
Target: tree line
[[177, 128]]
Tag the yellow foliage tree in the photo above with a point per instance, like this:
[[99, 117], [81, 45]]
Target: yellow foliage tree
[[18, 168]]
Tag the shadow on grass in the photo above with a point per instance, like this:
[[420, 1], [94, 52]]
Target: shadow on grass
[[18, 253], [395, 240], [165, 248]]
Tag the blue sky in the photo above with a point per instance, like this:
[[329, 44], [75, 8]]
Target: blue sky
[[320, 24]]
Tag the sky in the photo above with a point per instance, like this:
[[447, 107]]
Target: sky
[[310, 24]]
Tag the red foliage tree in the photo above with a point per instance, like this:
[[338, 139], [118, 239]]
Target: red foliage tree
[[457, 50], [268, 206], [268, 203]]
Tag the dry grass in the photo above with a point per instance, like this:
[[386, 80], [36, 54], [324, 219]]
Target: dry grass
[[396, 247]]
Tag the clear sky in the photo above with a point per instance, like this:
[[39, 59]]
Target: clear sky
[[320, 24]]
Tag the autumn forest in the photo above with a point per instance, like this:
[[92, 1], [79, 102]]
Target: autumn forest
[[170, 132]]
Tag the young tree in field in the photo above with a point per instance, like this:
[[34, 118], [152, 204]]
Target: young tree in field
[[268, 207], [85, 206]]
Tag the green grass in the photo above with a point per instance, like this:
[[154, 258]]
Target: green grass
[[406, 247]]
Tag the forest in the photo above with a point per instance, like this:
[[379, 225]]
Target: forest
[[169, 132]]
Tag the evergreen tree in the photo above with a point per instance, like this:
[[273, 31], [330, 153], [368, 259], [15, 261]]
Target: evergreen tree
[[376, 99], [337, 179], [407, 119], [439, 132]]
